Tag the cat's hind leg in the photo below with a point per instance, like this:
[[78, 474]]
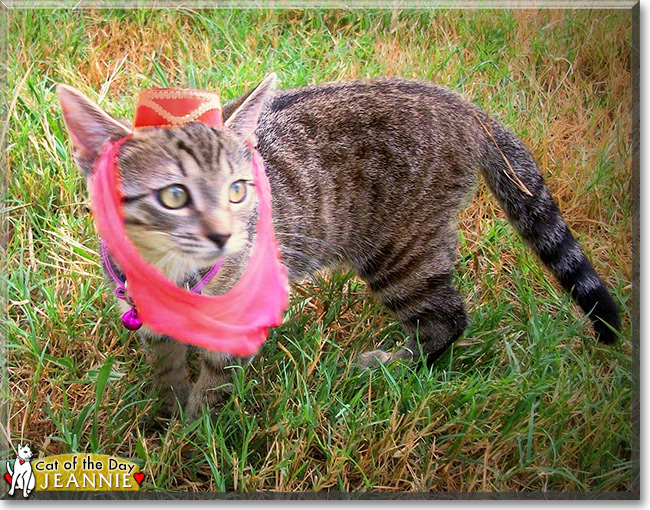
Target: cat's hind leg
[[418, 290], [433, 316]]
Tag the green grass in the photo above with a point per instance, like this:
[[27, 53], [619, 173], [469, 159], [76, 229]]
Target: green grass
[[524, 401]]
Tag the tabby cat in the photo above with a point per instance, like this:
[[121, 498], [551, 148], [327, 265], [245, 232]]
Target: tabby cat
[[370, 173]]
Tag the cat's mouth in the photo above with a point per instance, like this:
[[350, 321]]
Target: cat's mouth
[[216, 248], [178, 255]]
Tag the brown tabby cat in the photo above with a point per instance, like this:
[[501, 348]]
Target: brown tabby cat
[[371, 173]]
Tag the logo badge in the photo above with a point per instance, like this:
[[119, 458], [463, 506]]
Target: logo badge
[[71, 472]]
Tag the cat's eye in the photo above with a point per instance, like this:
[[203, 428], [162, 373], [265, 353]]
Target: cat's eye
[[237, 192], [174, 196]]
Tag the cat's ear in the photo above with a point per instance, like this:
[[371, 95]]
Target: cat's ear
[[88, 125], [231, 106], [244, 120]]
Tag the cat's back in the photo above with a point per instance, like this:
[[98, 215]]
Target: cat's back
[[349, 160], [382, 121], [392, 106], [367, 96]]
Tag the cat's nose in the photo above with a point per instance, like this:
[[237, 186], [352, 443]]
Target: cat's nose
[[218, 239]]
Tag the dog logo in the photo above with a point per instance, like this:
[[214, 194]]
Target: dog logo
[[21, 476]]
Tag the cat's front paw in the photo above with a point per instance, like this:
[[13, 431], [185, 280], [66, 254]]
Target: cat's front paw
[[211, 398], [172, 400]]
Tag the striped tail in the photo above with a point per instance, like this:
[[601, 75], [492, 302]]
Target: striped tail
[[513, 177]]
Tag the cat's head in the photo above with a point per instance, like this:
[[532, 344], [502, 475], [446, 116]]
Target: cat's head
[[189, 197], [24, 451]]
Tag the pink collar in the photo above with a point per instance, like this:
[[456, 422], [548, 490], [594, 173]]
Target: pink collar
[[236, 322]]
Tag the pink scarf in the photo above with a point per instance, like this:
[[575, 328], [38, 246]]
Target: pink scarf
[[236, 322]]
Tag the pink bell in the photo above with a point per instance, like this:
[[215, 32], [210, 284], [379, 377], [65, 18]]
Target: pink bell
[[130, 320]]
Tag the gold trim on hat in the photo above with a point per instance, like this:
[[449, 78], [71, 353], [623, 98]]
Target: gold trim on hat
[[147, 98], [164, 126]]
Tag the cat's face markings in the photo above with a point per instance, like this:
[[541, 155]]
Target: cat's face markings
[[189, 193]]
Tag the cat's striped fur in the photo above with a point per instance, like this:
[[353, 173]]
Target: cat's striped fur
[[369, 173]]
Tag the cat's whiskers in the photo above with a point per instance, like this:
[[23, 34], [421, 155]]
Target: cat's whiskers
[[175, 266], [157, 248]]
